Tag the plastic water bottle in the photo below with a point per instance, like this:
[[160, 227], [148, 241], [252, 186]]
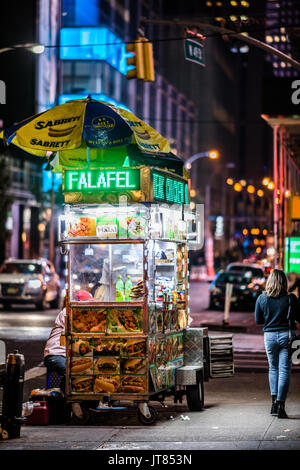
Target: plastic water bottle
[[128, 287], [120, 289]]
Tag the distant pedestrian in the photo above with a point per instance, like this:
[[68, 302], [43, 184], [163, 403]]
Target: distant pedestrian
[[294, 284], [271, 310]]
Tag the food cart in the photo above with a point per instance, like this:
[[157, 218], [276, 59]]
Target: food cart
[[126, 233]]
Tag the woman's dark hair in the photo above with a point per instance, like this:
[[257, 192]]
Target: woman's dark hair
[[277, 283]]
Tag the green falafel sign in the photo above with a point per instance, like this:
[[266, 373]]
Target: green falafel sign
[[101, 180]]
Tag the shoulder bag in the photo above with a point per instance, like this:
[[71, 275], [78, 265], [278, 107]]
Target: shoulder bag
[[292, 338]]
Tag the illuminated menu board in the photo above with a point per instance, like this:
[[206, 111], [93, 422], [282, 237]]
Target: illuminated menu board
[[101, 180], [142, 184], [292, 255], [169, 189]]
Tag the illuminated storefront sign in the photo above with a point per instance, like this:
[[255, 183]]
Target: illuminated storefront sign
[[295, 208], [170, 190], [85, 43], [101, 180], [95, 96], [292, 255]]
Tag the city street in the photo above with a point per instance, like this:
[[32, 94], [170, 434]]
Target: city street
[[150, 182], [27, 329], [235, 417]]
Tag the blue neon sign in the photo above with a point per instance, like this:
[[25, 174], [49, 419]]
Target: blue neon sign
[[47, 180], [87, 43], [95, 96]]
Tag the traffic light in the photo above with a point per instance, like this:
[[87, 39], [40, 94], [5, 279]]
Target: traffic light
[[148, 62], [137, 60], [142, 60]]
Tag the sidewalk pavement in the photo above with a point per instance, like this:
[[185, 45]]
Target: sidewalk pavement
[[236, 417]]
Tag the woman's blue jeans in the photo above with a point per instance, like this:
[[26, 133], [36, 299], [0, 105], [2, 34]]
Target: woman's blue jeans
[[276, 344]]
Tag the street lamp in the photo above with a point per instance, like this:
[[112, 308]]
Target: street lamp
[[212, 154], [251, 189], [238, 187], [33, 47], [208, 247], [266, 181]]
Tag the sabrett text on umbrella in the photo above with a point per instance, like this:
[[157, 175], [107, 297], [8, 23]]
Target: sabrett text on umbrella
[[56, 122], [149, 146], [134, 123], [46, 143]]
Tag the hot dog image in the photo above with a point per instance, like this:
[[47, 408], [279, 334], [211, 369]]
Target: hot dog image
[[81, 364], [107, 365], [106, 384], [133, 384], [134, 366], [152, 352], [60, 132], [134, 347], [82, 384], [143, 134]]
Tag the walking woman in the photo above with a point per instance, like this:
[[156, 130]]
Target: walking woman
[[271, 310]]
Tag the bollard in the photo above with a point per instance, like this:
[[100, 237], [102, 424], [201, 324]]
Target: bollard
[[12, 402], [228, 294]]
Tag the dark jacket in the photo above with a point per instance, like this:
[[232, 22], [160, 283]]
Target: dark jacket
[[295, 286], [273, 312]]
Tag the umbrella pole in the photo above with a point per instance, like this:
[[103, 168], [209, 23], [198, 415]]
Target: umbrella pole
[[88, 157]]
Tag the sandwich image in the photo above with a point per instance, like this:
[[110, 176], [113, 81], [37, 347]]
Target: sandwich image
[[106, 347], [134, 366], [180, 348], [82, 384], [124, 319], [134, 347], [81, 348], [107, 365], [106, 384], [81, 364], [133, 384]]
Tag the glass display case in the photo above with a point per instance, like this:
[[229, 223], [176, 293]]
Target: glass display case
[[127, 298], [105, 272]]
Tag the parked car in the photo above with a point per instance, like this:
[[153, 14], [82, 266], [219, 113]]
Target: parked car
[[244, 291], [256, 270], [29, 281]]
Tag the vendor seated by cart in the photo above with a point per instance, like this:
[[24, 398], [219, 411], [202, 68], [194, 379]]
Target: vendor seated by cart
[[54, 353]]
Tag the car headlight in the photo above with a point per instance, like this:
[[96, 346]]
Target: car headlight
[[34, 284]]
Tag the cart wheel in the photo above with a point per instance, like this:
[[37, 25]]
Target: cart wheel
[[150, 420], [80, 414], [195, 394]]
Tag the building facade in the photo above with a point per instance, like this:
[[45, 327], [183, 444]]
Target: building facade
[[97, 66]]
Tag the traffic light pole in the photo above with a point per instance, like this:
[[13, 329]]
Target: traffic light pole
[[224, 31]]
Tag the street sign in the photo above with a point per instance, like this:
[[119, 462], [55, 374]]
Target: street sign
[[194, 51]]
